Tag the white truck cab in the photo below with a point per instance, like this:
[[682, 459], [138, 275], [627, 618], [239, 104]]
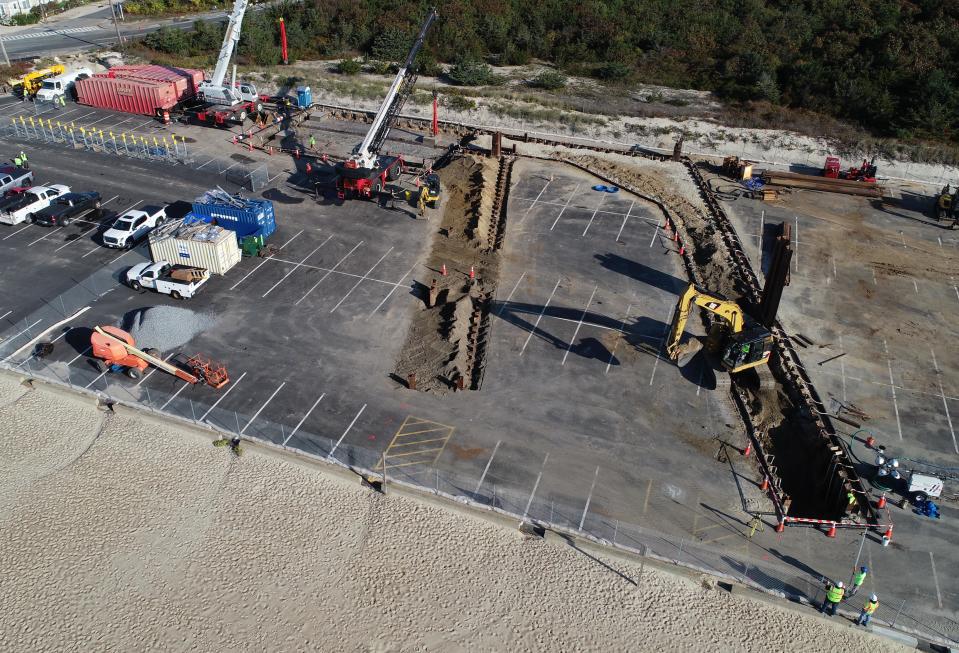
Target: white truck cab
[[55, 87], [31, 201], [923, 486], [177, 281]]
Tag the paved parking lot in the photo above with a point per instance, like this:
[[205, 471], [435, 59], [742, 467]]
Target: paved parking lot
[[580, 420]]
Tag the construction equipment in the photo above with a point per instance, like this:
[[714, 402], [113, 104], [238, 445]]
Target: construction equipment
[[241, 99], [366, 173], [115, 350], [427, 195], [740, 342], [28, 84]]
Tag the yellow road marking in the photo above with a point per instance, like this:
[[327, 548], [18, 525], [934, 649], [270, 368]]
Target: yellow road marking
[[442, 428], [413, 444], [395, 443]]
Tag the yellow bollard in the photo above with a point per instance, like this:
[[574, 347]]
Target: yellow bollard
[[32, 122], [22, 121]]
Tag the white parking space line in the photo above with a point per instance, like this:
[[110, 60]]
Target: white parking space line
[[589, 498], [626, 217], [297, 266], [300, 423], [101, 375], [593, 217], [80, 355], [486, 469], [392, 290], [152, 371], [333, 269], [533, 203], [6, 314], [329, 456], [538, 319], [235, 164], [206, 164], [24, 331], [935, 579], [669, 320], [572, 341], [364, 277], [257, 413], [44, 237], [565, 206], [655, 233], [622, 328], [532, 494], [222, 397], [175, 394], [26, 226], [892, 387], [945, 404], [95, 122], [510, 295], [233, 287]]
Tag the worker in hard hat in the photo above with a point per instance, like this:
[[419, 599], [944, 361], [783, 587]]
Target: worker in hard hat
[[867, 611], [858, 579], [834, 594]]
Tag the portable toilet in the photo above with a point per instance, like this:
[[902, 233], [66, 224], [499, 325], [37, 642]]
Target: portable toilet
[[304, 96]]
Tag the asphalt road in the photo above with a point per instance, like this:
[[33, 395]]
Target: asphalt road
[[89, 32]]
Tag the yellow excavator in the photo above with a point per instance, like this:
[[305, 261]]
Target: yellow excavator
[[740, 342], [28, 84]]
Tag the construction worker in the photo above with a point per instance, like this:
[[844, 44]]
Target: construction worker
[[858, 579], [23, 160], [867, 611], [312, 143], [17, 161], [851, 503], [834, 594]]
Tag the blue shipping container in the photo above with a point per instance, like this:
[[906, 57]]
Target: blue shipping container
[[255, 218], [304, 96]]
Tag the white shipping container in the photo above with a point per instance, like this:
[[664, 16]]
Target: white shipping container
[[201, 245]]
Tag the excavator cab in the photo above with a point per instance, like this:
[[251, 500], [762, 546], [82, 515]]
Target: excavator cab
[[430, 190], [747, 349]]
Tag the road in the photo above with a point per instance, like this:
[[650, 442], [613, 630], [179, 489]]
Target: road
[[95, 30]]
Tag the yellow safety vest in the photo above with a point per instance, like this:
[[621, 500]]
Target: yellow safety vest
[[858, 578], [870, 607], [834, 594]]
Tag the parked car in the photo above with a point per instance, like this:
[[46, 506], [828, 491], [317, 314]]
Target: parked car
[[67, 208], [22, 207], [177, 281], [133, 226], [11, 177]]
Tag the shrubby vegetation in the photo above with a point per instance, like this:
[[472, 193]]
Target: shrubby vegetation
[[884, 64]]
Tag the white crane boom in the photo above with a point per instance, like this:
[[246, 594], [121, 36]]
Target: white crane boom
[[364, 156], [213, 89]]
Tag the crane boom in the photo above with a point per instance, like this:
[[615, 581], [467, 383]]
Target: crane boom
[[213, 89], [364, 156], [230, 40]]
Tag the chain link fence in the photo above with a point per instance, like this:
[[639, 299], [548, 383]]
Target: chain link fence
[[795, 582]]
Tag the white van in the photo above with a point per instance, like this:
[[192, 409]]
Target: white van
[[54, 87]]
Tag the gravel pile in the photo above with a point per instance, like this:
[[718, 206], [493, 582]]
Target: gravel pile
[[165, 327]]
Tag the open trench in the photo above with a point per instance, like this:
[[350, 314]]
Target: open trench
[[797, 449]]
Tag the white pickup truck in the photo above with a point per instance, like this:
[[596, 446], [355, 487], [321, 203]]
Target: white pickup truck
[[23, 206], [177, 281], [11, 177], [131, 227]]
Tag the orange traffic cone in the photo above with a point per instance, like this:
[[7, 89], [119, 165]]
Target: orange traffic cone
[[443, 269], [472, 273], [765, 484], [780, 527], [882, 501], [832, 531], [748, 450]]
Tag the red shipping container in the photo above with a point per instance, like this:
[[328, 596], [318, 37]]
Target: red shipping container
[[139, 89], [127, 95]]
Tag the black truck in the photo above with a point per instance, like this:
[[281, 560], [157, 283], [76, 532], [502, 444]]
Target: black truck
[[67, 208]]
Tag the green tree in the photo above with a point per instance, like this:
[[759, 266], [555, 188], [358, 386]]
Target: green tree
[[550, 80], [471, 72]]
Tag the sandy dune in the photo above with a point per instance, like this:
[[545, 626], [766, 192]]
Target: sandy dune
[[117, 535]]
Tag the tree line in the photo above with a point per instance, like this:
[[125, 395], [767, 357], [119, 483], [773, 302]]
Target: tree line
[[883, 64]]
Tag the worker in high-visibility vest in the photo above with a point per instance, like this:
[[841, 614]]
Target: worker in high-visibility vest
[[851, 503], [834, 594], [867, 611], [858, 579]]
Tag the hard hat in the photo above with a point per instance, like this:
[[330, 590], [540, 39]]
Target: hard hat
[[864, 569], [839, 584], [873, 597]]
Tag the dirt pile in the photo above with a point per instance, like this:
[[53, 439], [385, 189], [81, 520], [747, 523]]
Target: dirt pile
[[438, 348]]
